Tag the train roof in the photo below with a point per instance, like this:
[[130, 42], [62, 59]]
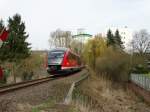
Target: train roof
[[59, 49], [63, 49]]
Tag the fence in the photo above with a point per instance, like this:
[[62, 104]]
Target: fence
[[142, 80]]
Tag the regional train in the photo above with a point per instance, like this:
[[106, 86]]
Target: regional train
[[62, 60]]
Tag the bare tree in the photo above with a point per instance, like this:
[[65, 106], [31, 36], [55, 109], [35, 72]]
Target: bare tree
[[141, 42], [76, 46], [60, 38]]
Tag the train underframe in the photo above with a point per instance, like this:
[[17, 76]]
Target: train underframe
[[59, 69]]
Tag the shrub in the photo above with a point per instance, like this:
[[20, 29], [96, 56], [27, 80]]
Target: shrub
[[30, 65], [139, 64], [140, 69], [27, 76], [115, 64], [94, 48]]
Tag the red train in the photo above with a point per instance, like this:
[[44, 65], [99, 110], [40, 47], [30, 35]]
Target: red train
[[62, 60]]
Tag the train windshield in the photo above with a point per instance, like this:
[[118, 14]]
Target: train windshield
[[55, 57]]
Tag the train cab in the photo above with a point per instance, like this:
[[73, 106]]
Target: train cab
[[62, 60]]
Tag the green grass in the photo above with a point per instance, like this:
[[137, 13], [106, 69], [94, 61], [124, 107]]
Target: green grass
[[73, 109], [45, 105], [148, 74], [35, 110], [50, 104]]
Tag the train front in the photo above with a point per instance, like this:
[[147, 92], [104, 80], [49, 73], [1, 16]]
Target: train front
[[55, 59]]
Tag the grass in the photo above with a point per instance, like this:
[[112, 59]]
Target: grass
[[55, 101], [82, 101], [148, 74], [50, 105], [86, 97], [57, 95], [99, 94], [35, 110]]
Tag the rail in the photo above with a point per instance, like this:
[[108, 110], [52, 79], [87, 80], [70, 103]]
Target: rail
[[15, 86], [68, 98], [20, 85]]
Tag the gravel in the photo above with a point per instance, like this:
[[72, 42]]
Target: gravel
[[27, 97]]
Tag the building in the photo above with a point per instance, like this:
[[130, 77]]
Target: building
[[79, 39], [81, 36]]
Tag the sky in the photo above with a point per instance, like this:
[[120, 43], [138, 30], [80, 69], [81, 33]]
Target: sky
[[44, 16]]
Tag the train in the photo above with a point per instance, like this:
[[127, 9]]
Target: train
[[63, 60]]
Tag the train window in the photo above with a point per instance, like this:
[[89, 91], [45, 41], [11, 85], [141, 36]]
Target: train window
[[56, 54], [55, 57]]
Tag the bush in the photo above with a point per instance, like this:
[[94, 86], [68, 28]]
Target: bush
[[27, 76], [140, 69], [139, 64], [29, 66], [115, 64], [93, 49]]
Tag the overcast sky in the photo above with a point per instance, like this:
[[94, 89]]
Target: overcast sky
[[44, 16]]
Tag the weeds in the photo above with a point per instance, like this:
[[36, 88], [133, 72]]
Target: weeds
[[99, 94]]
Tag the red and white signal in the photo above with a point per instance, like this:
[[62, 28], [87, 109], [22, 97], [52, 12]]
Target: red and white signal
[[3, 36]]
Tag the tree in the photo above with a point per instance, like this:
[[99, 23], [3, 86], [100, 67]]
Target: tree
[[60, 38], [93, 49], [141, 42], [16, 47], [1, 25], [76, 46], [110, 38], [118, 41]]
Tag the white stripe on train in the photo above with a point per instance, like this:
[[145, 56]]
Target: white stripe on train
[[64, 68]]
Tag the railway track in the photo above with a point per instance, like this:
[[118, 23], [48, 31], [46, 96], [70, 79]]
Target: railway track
[[35, 92], [12, 87]]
